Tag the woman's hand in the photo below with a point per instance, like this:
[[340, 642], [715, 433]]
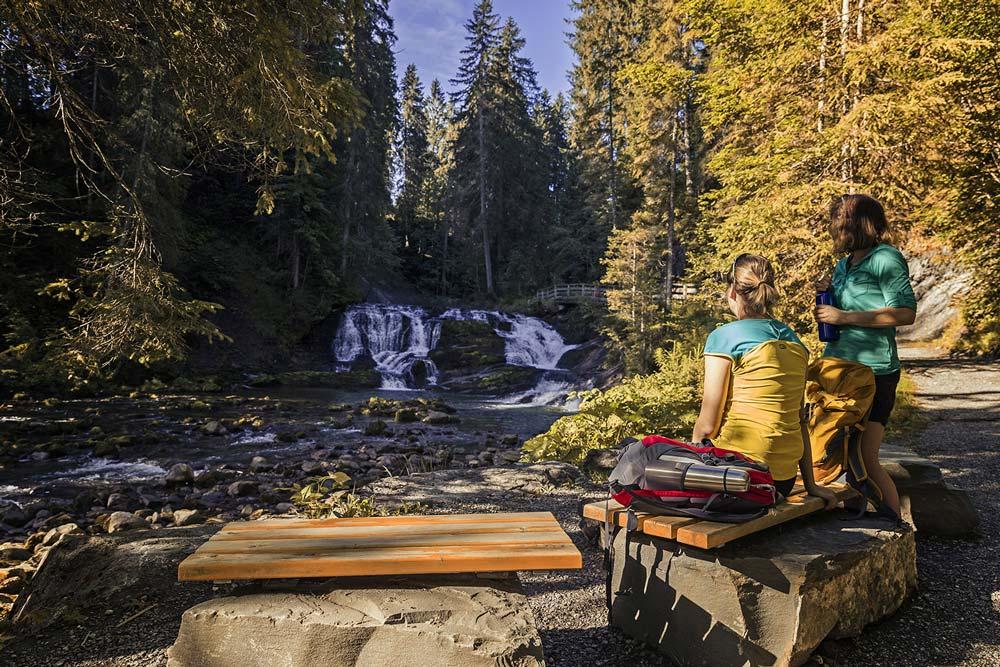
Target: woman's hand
[[828, 496], [830, 315]]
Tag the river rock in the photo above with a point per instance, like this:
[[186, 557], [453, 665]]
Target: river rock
[[13, 515], [768, 599], [179, 473], [53, 535], [243, 487], [436, 418], [122, 521], [213, 427], [14, 552], [376, 428], [456, 621], [184, 517], [260, 464]]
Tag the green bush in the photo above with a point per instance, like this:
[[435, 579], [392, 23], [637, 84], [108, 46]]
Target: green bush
[[664, 402]]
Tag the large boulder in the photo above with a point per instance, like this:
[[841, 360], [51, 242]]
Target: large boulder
[[768, 599], [937, 507], [458, 621], [84, 576]]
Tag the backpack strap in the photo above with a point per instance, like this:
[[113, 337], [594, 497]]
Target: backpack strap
[[653, 506]]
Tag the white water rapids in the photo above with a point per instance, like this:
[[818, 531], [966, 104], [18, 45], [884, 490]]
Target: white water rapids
[[399, 338]]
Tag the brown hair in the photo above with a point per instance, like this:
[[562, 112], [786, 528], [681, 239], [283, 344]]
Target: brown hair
[[857, 222], [753, 278]]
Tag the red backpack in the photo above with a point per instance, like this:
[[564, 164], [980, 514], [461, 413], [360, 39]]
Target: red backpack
[[629, 484]]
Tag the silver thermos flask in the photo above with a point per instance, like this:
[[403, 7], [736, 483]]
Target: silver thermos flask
[[667, 474]]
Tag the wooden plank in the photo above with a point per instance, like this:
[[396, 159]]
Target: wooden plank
[[327, 544], [657, 526], [711, 534], [417, 560], [382, 531], [422, 520]]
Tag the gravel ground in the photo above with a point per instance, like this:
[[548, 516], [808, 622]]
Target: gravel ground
[[955, 617], [953, 620]]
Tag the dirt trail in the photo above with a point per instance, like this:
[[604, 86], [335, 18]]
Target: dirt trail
[[955, 617]]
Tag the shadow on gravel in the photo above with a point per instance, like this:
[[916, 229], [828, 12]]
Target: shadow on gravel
[[954, 618], [597, 647]]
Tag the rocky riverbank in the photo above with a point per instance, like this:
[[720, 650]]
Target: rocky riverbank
[[107, 466]]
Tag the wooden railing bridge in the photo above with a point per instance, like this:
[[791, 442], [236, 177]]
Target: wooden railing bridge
[[575, 292]]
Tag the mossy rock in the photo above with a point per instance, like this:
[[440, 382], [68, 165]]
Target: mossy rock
[[467, 346], [498, 381], [376, 428], [406, 416]]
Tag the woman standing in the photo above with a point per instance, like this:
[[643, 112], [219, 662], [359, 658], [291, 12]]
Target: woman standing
[[755, 377], [871, 287]]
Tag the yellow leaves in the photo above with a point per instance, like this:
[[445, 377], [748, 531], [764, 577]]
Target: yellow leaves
[[59, 290]]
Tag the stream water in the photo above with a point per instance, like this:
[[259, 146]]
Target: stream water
[[163, 430]]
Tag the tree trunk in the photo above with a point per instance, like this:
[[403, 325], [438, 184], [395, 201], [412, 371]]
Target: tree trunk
[[822, 78], [295, 261], [846, 171], [444, 255], [488, 260], [671, 215]]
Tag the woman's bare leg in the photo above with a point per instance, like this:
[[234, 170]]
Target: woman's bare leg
[[871, 441]]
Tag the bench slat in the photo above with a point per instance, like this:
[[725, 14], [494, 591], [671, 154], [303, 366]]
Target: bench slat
[[400, 560], [711, 534], [227, 534], [405, 520], [657, 526], [327, 544]]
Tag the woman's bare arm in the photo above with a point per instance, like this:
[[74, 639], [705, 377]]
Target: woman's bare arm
[[713, 401], [873, 319]]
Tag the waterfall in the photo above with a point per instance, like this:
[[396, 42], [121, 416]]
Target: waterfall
[[395, 337], [399, 337]]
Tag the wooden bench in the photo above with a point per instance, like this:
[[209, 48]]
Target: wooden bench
[[711, 534], [399, 545]]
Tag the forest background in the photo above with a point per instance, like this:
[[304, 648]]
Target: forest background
[[172, 173]]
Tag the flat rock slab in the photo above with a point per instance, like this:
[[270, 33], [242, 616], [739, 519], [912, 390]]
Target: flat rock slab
[[454, 621], [937, 507], [767, 600]]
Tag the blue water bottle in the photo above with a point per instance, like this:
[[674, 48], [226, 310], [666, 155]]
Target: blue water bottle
[[827, 332]]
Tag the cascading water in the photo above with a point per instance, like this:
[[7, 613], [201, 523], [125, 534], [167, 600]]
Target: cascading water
[[396, 338], [399, 338]]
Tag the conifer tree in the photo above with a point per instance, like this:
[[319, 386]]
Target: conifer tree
[[475, 147], [413, 168]]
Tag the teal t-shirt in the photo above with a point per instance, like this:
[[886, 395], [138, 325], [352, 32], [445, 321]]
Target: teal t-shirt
[[737, 338], [880, 280]]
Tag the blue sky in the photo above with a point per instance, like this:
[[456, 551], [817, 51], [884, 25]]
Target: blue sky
[[431, 33]]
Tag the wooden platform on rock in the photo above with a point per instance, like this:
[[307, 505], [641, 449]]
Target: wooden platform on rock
[[711, 534], [323, 548]]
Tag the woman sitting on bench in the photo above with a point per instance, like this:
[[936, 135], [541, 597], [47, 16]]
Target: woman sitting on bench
[[755, 375]]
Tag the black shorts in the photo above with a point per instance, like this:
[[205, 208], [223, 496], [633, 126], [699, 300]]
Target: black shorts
[[885, 398], [784, 486]]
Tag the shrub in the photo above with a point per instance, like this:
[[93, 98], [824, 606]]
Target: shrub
[[665, 402]]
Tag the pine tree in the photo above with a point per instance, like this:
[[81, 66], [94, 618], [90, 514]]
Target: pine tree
[[441, 133], [413, 165], [475, 150], [604, 34]]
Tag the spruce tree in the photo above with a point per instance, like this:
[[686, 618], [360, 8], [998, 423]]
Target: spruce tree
[[413, 164], [475, 147]]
